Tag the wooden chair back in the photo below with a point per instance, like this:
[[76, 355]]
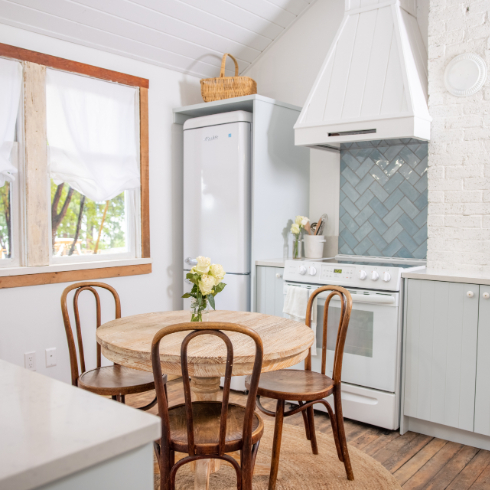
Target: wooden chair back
[[345, 312], [80, 287], [197, 329]]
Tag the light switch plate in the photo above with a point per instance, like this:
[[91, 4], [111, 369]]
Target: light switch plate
[[51, 357]]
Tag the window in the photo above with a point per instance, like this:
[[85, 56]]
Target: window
[[10, 91], [94, 167], [73, 171]]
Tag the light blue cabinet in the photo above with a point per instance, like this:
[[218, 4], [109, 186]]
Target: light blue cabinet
[[482, 400], [441, 344], [270, 287]]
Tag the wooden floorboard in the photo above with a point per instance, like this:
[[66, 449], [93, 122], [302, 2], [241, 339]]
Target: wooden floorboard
[[452, 468], [418, 462], [470, 473], [425, 474], [419, 459]]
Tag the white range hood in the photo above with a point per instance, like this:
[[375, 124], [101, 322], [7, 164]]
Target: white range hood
[[373, 83]]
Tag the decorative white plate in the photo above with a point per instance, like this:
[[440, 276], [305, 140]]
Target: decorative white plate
[[465, 74]]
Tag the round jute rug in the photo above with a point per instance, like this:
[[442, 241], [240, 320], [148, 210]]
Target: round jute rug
[[299, 468]]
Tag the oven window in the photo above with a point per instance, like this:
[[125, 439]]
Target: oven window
[[360, 334]]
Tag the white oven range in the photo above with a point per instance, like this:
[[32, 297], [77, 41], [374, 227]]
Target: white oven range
[[372, 362]]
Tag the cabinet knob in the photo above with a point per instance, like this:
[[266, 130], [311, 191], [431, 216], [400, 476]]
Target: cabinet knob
[[470, 294], [486, 295], [278, 276]]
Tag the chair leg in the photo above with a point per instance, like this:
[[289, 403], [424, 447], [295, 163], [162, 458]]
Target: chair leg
[[311, 423], [305, 422], [276, 445], [341, 431], [335, 431]]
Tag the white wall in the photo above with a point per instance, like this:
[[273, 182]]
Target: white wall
[[30, 317], [287, 71], [459, 150]]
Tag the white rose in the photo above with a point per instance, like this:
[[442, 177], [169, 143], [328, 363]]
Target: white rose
[[294, 228], [206, 284], [298, 220], [304, 220], [203, 264], [216, 270]]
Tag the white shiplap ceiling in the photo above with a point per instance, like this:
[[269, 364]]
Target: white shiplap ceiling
[[184, 35]]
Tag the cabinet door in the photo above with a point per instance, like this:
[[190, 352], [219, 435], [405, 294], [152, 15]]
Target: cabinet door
[[270, 296], [482, 399], [440, 349]]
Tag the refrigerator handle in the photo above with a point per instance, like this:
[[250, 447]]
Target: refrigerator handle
[[190, 261]]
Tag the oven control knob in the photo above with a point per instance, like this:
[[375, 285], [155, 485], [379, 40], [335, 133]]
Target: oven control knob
[[362, 275], [312, 271], [386, 277], [374, 276], [302, 270]]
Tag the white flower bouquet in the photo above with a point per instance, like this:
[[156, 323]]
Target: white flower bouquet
[[299, 223], [207, 279]]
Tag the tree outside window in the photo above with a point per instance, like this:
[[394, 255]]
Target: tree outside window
[[81, 226]]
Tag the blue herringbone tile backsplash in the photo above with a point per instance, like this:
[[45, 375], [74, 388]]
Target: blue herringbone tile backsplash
[[383, 198]]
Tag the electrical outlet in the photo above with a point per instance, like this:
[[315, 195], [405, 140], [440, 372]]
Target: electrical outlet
[[51, 357], [30, 360]]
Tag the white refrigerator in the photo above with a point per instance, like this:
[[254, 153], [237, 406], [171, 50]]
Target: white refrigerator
[[217, 214]]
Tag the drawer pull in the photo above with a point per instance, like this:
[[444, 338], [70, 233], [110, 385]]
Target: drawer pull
[[278, 276], [486, 295], [470, 294]]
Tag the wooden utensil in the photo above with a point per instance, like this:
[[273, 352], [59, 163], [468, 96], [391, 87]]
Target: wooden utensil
[[318, 226], [308, 228]]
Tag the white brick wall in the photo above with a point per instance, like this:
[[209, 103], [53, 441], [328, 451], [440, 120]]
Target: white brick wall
[[459, 150]]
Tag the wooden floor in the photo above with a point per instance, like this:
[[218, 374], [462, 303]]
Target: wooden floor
[[417, 461]]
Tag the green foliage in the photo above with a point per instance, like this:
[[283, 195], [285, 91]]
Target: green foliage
[[114, 229], [196, 292], [5, 238]]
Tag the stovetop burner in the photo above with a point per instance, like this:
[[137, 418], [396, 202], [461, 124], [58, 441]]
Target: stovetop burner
[[377, 264], [380, 261]]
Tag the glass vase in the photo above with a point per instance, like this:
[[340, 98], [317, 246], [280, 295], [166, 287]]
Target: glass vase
[[296, 253], [199, 313]]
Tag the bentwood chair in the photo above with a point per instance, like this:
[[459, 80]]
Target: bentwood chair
[[115, 381], [207, 429], [308, 387]]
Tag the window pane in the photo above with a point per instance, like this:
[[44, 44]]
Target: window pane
[[81, 226], [5, 222]]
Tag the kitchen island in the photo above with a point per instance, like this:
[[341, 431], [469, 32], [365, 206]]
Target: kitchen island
[[55, 436]]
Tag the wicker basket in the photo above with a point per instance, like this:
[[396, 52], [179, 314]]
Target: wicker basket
[[227, 87]]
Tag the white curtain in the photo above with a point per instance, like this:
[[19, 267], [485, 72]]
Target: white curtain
[[10, 89], [92, 139]]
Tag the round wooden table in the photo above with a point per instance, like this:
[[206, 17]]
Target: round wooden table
[[127, 341]]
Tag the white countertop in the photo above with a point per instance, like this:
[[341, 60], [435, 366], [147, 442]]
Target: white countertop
[[50, 429], [271, 262], [449, 276]]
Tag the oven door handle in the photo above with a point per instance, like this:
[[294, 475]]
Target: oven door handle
[[358, 298]]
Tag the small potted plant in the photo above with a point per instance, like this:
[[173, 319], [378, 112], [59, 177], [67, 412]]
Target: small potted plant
[[207, 279]]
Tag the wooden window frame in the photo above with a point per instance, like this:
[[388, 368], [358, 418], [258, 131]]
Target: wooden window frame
[[35, 161]]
